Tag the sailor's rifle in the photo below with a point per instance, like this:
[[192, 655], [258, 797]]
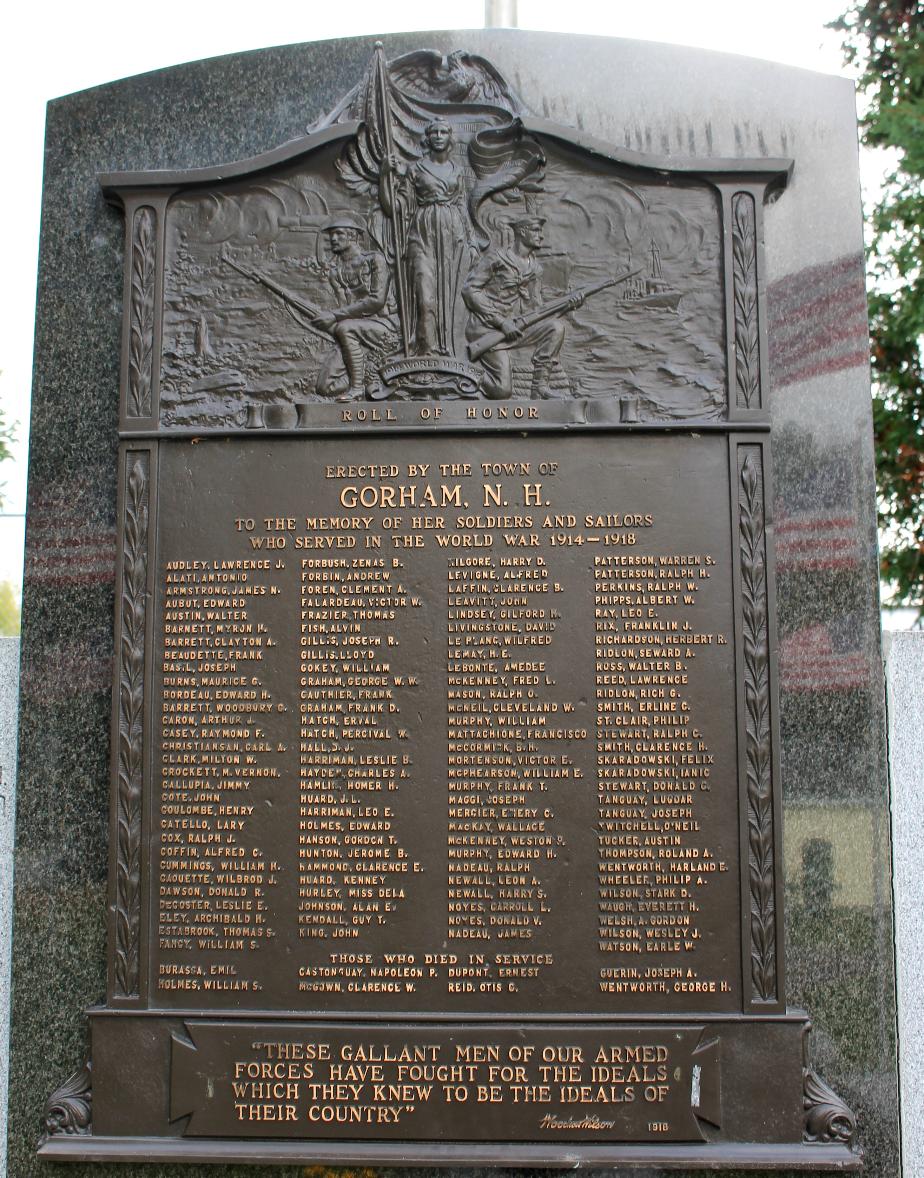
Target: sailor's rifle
[[549, 310]]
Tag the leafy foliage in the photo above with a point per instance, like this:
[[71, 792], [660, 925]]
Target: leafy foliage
[[7, 436], [9, 610], [885, 40]]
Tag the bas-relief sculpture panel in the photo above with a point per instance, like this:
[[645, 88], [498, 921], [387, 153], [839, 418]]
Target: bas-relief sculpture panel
[[467, 190]]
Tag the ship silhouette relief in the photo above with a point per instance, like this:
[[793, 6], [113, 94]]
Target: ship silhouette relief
[[651, 289]]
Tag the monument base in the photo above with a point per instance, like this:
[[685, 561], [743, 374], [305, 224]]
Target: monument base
[[562, 1157]]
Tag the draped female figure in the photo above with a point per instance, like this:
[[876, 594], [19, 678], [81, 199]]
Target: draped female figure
[[439, 252]]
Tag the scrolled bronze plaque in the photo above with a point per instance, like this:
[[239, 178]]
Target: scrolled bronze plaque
[[445, 775]]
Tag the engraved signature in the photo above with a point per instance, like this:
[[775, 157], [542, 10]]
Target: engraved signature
[[550, 1121]]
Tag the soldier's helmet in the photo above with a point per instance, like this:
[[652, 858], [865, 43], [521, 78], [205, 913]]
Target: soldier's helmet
[[344, 221]]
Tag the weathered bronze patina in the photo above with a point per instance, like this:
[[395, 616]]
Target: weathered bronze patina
[[445, 806]]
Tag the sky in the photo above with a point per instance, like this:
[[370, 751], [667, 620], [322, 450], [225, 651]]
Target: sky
[[59, 48]]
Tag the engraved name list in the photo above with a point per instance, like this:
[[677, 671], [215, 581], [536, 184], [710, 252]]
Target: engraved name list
[[490, 754]]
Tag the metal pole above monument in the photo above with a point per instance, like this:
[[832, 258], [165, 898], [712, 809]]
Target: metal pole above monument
[[500, 14]]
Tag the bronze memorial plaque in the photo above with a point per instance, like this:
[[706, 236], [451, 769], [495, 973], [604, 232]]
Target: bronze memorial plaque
[[445, 775]]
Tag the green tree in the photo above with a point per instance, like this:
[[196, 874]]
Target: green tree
[[9, 610], [884, 39], [7, 436]]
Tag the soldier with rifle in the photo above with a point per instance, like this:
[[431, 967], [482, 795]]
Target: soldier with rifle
[[363, 319], [505, 285], [504, 294]]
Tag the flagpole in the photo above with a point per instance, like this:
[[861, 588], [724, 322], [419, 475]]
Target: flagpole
[[389, 178], [500, 14]]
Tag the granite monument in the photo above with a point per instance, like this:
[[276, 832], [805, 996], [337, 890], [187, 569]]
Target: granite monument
[[492, 633]]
